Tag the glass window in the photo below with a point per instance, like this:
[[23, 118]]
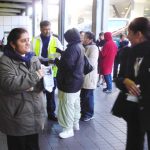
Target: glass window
[[117, 23], [80, 14], [38, 16], [53, 10]]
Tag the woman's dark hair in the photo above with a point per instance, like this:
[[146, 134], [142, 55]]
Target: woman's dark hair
[[90, 36], [15, 34], [141, 24], [122, 35], [81, 32], [101, 33]]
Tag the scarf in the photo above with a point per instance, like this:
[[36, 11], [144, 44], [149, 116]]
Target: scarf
[[12, 54], [45, 41]]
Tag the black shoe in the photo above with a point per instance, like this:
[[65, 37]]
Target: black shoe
[[53, 118], [105, 89], [87, 118], [114, 80], [108, 91]]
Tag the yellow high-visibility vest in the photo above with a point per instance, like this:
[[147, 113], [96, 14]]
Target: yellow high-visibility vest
[[52, 54]]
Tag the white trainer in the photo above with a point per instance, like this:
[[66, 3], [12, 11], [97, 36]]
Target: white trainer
[[66, 133], [88, 118], [76, 127]]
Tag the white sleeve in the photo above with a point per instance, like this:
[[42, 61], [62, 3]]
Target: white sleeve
[[58, 44]]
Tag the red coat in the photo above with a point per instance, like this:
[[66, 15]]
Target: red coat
[[107, 55]]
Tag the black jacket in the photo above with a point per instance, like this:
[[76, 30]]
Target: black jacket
[[143, 79], [141, 50], [124, 56], [70, 67]]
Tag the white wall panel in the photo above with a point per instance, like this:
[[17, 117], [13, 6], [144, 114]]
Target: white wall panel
[[7, 20], [7, 23], [14, 20], [1, 32], [1, 20], [7, 28], [15, 26], [22, 20]]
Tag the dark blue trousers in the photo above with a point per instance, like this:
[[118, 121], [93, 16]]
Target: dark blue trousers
[[87, 102], [115, 71], [51, 105]]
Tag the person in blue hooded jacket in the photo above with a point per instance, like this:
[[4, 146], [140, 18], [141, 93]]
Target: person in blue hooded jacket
[[69, 81]]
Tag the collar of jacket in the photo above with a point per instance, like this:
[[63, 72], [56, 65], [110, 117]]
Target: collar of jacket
[[141, 49]]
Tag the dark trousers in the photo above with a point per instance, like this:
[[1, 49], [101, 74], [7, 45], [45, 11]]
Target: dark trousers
[[51, 105], [135, 137], [108, 80], [115, 71], [148, 139], [87, 102], [135, 134], [28, 142]]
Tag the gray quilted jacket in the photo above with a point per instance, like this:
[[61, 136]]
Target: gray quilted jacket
[[22, 111]]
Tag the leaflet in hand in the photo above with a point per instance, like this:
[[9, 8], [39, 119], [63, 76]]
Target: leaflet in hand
[[48, 78]]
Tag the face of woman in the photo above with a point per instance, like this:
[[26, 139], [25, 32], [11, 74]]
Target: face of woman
[[101, 37], [86, 40], [22, 45], [135, 38]]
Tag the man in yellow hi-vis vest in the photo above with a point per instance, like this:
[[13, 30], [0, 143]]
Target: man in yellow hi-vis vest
[[44, 47]]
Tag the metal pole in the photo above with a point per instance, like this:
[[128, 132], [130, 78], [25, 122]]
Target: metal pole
[[33, 18], [61, 20]]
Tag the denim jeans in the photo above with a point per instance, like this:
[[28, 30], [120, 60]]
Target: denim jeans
[[108, 80], [50, 96], [87, 102]]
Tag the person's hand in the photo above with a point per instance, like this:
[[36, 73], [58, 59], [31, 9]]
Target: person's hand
[[58, 50], [40, 73], [133, 89], [30, 89], [51, 61], [56, 61]]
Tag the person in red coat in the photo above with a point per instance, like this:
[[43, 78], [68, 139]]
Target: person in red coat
[[107, 56]]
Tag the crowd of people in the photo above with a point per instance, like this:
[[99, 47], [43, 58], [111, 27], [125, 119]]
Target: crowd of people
[[25, 103]]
